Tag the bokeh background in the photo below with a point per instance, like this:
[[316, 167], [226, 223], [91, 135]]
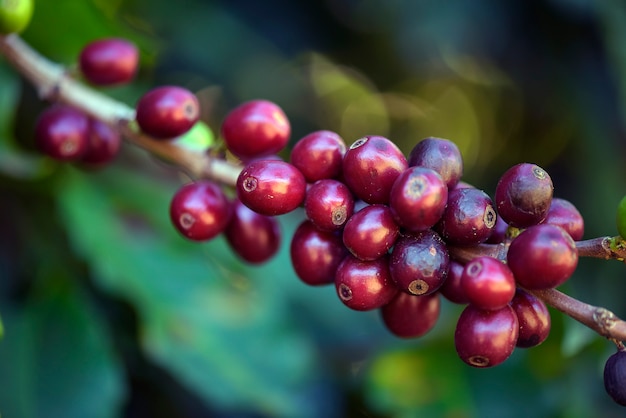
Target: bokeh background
[[107, 312]]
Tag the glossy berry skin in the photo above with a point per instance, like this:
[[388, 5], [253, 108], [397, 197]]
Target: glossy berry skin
[[15, 15], [62, 132], [200, 210], [328, 204], [316, 255], [104, 144], [542, 257], [452, 288], [534, 319], [615, 377], [107, 62], [370, 232], [364, 285], [255, 129], [411, 316], [564, 214], [468, 218], [441, 155], [488, 283], [271, 187], [319, 155], [370, 167], [418, 198], [486, 338], [523, 195], [255, 238], [167, 112], [419, 263]]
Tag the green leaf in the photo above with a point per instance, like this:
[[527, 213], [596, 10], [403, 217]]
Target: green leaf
[[222, 334], [56, 359]]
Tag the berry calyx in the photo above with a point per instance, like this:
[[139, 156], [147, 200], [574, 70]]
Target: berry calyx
[[329, 204], [256, 129], [364, 285], [167, 112], [108, 62], [200, 210]]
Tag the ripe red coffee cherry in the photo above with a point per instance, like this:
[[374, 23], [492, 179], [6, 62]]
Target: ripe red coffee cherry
[[418, 198], [468, 218], [370, 232], [271, 187], [542, 257], [255, 238], [486, 338], [441, 155], [534, 319], [523, 195], [255, 129], [319, 155], [167, 112], [411, 316], [315, 254], [103, 144], [419, 262], [370, 166], [328, 204], [564, 214], [107, 62], [452, 288], [488, 283], [61, 132], [364, 285], [200, 210]]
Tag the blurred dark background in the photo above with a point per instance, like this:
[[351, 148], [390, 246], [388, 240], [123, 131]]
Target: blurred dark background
[[107, 312]]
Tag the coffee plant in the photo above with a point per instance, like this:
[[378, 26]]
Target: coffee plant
[[189, 223]]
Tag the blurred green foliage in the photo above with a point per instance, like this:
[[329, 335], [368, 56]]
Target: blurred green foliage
[[107, 312]]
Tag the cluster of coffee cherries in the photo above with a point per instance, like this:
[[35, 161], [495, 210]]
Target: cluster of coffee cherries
[[68, 134], [390, 232]]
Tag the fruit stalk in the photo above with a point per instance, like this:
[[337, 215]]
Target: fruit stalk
[[53, 84]]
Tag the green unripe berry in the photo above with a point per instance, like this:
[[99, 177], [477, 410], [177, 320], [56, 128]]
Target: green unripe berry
[[15, 15], [621, 218], [199, 138]]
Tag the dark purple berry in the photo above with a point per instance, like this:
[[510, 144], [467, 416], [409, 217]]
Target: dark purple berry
[[523, 195], [441, 155], [328, 204], [564, 214], [370, 232], [411, 316], [103, 144], [418, 198], [319, 155], [534, 319], [542, 257], [256, 128], [200, 210], [271, 187], [419, 262], [364, 285], [167, 112], [107, 62], [255, 238], [61, 132], [370, 166], [615, 377], [452, 288], [315, 254], [488, 283], [486, 338], [469, 217]]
